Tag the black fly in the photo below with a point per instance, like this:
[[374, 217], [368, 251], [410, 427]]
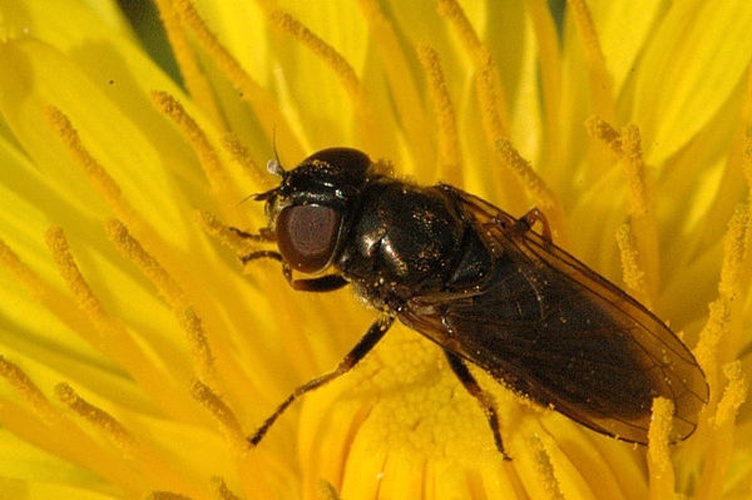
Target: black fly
[[484, 287]]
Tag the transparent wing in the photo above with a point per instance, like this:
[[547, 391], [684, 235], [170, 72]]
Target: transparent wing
[[550, 328]]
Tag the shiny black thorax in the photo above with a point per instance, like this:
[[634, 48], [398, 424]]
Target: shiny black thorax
[[409, 241]]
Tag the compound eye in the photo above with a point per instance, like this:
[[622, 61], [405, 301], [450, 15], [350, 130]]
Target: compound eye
[[307, 236]]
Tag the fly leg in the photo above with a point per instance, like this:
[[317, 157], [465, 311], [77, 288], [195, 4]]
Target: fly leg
[[527, 221], [263, 236], [485, 399], [326, 283], [363, 347], [321, 284], [261, 254]]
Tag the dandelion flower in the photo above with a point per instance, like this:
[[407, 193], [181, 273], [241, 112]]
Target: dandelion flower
[[137, 353]]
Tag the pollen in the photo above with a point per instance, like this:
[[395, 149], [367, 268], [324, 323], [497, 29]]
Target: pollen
[[600, 80], [151, 268], [21, 271], [659, 454], [98, 176], [627, 146], [493, 110], [634, 276], [240, 154], [734, 395], [224, 234], [449, 149], [725, 311], [737, 253], [490, 91], [99, 329], [545, 198], [95, 416], [721, 447], [268, 113], [197, 139], [169, 289], [336, 62], [25, 387], [222, 413], [195, 79]]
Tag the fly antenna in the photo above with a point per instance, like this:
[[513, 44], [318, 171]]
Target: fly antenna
[[274, 166]]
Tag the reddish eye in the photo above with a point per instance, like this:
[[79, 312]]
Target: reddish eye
[[307, 235]]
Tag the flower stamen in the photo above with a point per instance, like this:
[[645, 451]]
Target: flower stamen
[[68, 269], [725, 310], [328, 54], [195, 79], [490, 90], [659, 454], [543, 195], [266, 110], [721, 449], [461, 24], [493, 110], [240, 155], [109, 336], [600, 78], [736, 254], [407, 92], [534, 468], [450, 157], [627, 146], [228, 238], [719, 331], [25, 387], [103, 182], [193, 326], [54, 432], [222, 413], [636, 171], [152, 469], [632, 272], [131, 248], [98, 176], [170, 291], [195, 136], [22, 272], [119, 435]]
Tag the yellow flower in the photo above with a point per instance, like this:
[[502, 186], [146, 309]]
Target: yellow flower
[[136, 354]]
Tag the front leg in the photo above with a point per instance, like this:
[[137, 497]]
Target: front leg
[[264, 234], [325, 283]]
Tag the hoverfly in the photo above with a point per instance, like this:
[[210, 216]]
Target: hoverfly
[[484, 287]]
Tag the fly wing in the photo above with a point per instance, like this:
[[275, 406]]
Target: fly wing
[[550, 328]]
